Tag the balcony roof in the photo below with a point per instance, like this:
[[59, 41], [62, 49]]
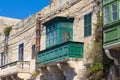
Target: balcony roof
[[58, 19]]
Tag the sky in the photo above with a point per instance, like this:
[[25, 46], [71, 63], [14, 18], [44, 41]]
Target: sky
[[21, 9]]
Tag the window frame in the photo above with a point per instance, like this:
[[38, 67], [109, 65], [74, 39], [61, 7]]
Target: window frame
[[111, 13], [110, 16], [21, 52], [49, 32], [109, 1], [106, 2], [116, 11], [59, 28]]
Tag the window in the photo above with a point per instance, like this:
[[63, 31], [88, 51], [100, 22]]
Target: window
[[21, 52], [52, 35], [3, 58], [111, 12], [33, 51], [58, 33], [87, 25], [106, 15], [114, 12]]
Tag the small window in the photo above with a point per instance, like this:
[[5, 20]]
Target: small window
[[3, 58], [21, 52], [87, 25], [33, 51]]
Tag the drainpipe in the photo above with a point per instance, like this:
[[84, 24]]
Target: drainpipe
[[38, 36], [108, 54]]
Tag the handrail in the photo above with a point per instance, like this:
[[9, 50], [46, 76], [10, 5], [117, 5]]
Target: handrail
[[8, 64]]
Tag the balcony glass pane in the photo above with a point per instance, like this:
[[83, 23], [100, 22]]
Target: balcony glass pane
[[65, 36], [114, 12], [106, 15], [56, 35]]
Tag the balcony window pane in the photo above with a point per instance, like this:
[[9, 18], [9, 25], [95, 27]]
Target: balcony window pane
[[106, 15], [54, 35], [65, 36], [114, 12]]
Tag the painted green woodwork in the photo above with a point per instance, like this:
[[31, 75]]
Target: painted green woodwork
[[87, 24], [111, 26], [112, 36], [110, 15], [58, 30], [60, 52], [107, 2]]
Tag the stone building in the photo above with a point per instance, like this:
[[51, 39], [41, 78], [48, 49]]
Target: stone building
[[59, 35], [67, 33], [111, 31], [20, 62]]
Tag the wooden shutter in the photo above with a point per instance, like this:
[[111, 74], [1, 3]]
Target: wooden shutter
[[87, 25]]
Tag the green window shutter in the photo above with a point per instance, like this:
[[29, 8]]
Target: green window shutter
[[87, 25]]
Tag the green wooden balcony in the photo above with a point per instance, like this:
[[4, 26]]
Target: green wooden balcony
[[60, 52], [111, 36]]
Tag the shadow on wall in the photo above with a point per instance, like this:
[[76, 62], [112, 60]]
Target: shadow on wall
[[68, 71], [114, 73], [64, 72], [42, 77]]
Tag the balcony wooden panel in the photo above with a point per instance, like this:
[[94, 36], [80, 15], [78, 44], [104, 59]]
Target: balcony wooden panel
[[60, 52], [112, 36]]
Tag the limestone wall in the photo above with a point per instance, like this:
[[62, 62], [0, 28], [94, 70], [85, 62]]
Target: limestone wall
[[5, 22], [23, 32]]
